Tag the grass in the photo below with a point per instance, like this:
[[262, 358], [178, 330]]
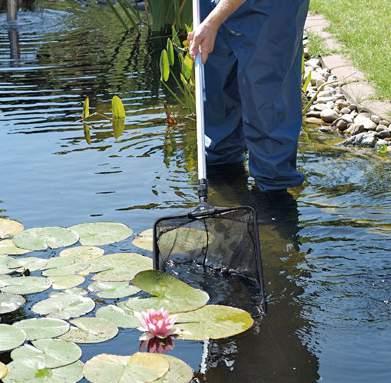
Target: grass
[[363, 26], [316, 46]]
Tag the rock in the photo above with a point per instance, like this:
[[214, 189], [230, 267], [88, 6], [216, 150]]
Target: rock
[[380, 143], [329, 115], [345, 110], [340, 104], [363, 139], [384, 134], [325, 93], [342, 125], [353, 107], [320, 106], [325, 99], [355, 129], [313, 63], [317, 79], [365, 120], [375, 119], [380, 128], [327, 129], [313, 121], [313, 113], [384, 122], [349, 118]]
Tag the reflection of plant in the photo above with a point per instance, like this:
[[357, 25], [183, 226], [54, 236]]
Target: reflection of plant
[[173, 59]]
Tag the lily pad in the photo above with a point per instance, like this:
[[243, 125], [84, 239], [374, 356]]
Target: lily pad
[[42, 328], [26, 285], [9, 228], [10, 337], [144, 240], [4, 261], [53, 353], [29, 263], [113, 290], [179, 371], [84, 253], [64, 306], [33, 372], [46, 237], [101, 233], [138, 368], [72, 269], [90, 330], [7, 247], [3, 370], [121, 317], [213, 322], [10, 302], [61, 282], [168, 292]]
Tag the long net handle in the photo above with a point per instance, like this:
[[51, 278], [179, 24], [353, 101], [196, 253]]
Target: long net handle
[[200, 97]]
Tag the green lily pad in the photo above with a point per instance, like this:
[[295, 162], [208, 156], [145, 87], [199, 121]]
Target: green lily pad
[[168, 292], [4, 261], [113, 290], [62, 282], [10, 337], [138, 368], [7, 247], [10, 302], [46, 237], [121, 317], [4, 280], [26, 285], [64, 306], [144, 240], [53, 353], [90, 330], [179, 371], [84, 253], [29, 263], [42, 328], [33, 372], [101, 233], [9, 228], [213, 322], [3, 370], [72, 269]]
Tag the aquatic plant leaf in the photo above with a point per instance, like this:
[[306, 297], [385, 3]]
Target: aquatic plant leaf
[[26, 285], [168, 292], [213, 322], [164, 66], [187, 67], [118, 108], [138, 368], [118, 126], [10, 302], [64, 306], [10, 337], [71, 269], [170, 52], [4, 260], [32, 372], [3, 370], [46, 237], [90, 330], [144, 240], [9, 228], [86, 108], [121, 317], [42, 328], [28, 263], [62, 282], [52, 353], [179, 371], [113, 290], [7, 247], [101, 233], [85, 253]]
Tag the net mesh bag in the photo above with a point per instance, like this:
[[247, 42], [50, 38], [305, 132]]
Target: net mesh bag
[[218, 249]]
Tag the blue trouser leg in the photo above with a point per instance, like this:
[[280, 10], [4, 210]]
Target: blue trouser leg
[[265, 36]]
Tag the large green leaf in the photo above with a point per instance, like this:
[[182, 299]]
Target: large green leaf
[[25, 371], [113, 290], [61, 282], [9, 228], [101, 233], [121, 317], [179, 371], [46, 237], [118, 108], [4, 260], [10, 302], [138, 368], [64, 306], [213, 322], [10, 337], [28, 263], [52, 353], [144, 240], [187, 67], [170, 52], [26, 285], [72, 269], [7, 247], [42, 328], [164, 66], [167, 291], [90, 330], [83, 252]]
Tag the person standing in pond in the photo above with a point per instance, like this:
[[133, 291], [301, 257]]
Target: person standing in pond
[[253, 55]]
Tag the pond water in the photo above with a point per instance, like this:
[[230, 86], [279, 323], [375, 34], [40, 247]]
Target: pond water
[[326, 253]]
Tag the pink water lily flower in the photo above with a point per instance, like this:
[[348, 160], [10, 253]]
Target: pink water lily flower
[[156, 324]]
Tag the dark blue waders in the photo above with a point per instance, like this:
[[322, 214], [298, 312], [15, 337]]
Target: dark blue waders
[[253, 82]]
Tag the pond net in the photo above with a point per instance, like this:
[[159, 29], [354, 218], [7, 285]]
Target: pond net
[[216, 248]]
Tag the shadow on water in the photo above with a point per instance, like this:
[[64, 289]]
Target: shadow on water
[[325, 252]]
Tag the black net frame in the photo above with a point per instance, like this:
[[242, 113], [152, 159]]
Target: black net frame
[[225, 240]]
